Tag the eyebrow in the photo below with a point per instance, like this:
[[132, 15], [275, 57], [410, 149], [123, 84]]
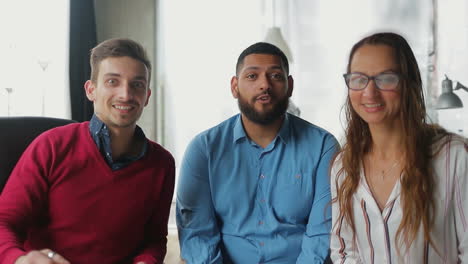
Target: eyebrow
[[385, 71], [118, 75], [112, 74], [274, 67]]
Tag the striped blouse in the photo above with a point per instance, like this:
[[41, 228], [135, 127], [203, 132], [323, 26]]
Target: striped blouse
[[376, 230]]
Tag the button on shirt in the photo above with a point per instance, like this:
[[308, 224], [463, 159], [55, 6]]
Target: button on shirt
[[240, 203], [376, 230], [101, 137]]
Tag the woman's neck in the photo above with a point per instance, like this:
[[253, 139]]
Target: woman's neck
[[387, 142]]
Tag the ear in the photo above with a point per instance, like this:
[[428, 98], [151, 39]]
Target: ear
[[234, 87], [148, 96], [290, 85], [90, 89]]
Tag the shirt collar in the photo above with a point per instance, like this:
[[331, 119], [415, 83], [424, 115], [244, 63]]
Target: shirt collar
[[284, 132], [239, 131], [100, 134], [96, 126]]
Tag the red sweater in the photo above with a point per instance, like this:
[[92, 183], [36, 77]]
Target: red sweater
[[62, 195]]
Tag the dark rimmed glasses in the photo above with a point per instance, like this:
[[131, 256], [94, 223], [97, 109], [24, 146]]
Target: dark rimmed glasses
[[387, 81]]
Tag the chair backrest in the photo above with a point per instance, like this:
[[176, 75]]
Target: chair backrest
[[16, 133]]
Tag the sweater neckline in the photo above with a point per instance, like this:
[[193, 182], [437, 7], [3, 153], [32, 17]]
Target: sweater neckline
[[102, 162]]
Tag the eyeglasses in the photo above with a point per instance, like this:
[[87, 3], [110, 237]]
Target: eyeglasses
[[387, 81]]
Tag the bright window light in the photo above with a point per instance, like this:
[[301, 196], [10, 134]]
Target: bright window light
[[34, 52]]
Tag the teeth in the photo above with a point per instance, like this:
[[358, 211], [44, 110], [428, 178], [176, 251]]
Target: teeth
[[121, 107], [372, 105]]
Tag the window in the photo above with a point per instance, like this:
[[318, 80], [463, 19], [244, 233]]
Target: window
[[34, 64], [452, 59], [199, 46]]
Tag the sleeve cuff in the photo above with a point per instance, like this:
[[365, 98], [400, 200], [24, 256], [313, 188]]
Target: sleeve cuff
[[147, 259], [12, 255]]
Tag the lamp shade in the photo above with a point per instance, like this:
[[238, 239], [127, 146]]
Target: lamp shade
[[448, 100], [275, 37]]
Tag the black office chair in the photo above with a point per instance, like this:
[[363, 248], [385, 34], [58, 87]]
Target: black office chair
[[16, 133]]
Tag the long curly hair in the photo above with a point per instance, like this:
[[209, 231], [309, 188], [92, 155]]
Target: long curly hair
[[417, 181]]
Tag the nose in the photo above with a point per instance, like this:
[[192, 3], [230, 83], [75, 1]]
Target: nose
[[264, 82], [371, 89], [125, 92]]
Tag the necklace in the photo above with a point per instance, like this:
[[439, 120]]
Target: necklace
[[385, 172]]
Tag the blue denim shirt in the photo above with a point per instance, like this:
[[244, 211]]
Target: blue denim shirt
[[240, 203], [101, 137]]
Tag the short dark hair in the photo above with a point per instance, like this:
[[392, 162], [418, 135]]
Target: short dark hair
[[262, 48], [117, 47]]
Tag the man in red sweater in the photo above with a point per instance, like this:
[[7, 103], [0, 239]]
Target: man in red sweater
[[97, 191]]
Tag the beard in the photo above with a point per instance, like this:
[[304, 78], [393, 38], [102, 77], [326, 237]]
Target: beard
[[263, 118]]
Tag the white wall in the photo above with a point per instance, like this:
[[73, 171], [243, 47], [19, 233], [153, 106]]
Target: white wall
[[453, 59]]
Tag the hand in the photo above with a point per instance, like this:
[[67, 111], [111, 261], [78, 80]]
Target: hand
[[44, 256]]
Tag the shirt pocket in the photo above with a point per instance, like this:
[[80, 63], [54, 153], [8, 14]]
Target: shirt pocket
[[292, 198], [289, 180]]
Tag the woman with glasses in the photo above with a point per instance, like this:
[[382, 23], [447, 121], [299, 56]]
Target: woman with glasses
[[399, 184]]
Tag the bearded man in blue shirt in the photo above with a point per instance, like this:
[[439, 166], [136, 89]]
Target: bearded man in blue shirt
[[255, 188]]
